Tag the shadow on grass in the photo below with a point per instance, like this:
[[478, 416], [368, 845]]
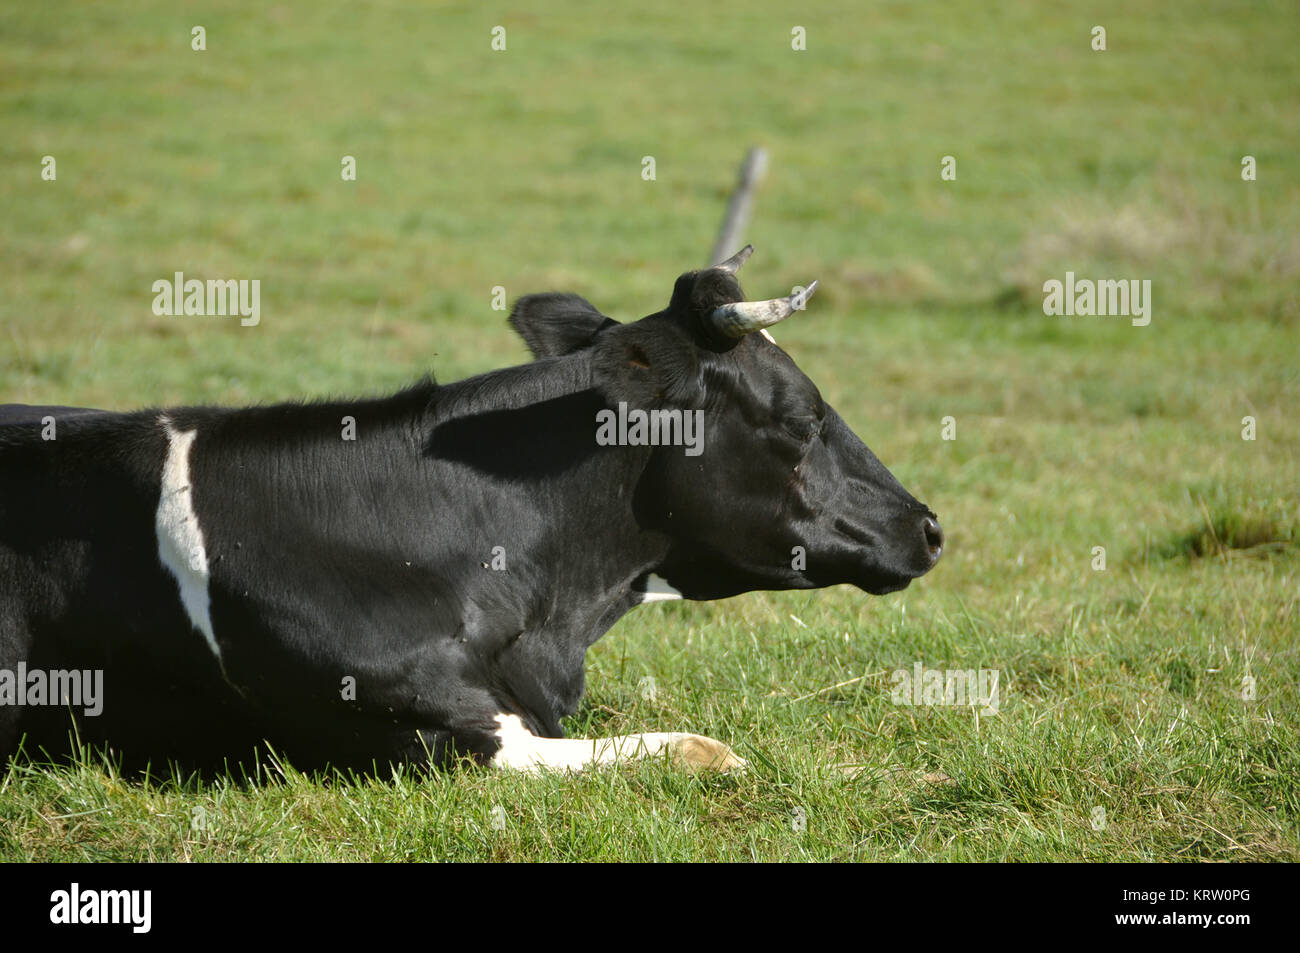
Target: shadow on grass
[[1224, 531]]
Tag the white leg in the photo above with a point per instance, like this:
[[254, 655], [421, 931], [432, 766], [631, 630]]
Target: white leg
[[525, 751]]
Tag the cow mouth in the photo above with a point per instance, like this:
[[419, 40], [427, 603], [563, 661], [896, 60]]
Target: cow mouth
[[881, 580], [884, 585], [879, 577]]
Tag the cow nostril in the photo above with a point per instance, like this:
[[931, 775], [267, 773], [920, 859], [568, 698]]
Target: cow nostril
[[933, 536]]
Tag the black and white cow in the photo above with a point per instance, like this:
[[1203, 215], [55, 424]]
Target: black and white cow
[[428, 589]]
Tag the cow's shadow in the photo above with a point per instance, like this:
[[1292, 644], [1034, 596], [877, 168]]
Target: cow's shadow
[[524, 444]]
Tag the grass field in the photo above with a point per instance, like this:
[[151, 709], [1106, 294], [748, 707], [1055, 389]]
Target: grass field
[[1126, 689]]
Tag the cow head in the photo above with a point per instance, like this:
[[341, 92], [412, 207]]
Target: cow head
[[780, 494]]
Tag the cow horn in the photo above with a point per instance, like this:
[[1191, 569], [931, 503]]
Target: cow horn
[[745, 317], [732, 264]]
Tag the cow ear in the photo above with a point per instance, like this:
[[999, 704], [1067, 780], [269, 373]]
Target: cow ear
[[647, 365], [555, 324]]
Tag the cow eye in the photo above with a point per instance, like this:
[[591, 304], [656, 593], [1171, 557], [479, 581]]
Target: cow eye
[[804, 429]]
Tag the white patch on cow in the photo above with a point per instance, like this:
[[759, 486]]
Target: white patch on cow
[[524, 751], [180, 540], [764, 332], [657, 590]]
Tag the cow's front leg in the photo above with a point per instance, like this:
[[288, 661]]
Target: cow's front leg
[[522, 750]]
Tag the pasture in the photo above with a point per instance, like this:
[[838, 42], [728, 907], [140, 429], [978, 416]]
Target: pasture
[[1149, 710]]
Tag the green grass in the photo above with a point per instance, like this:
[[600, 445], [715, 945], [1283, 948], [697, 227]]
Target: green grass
[[1122, 688]]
